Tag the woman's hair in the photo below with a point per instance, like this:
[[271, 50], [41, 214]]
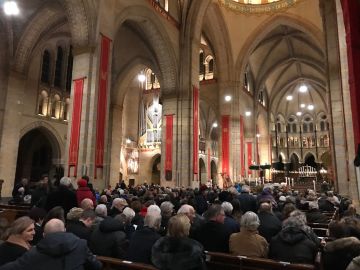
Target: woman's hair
[[179, 226], [288, 208], [250, 221], [18, 226]]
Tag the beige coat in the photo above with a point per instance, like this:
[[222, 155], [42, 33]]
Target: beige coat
[[248, 243]]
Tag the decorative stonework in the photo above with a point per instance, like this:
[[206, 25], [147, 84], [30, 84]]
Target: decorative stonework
[[243, 7]]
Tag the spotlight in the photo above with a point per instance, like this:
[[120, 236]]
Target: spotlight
[[11, 8], [141, 78], [289, 98], [128, 140], [310, 107], [248, 113], [303, 88], [299, 113], [215, 125], [302, 105], [228, 98], [258, 135]]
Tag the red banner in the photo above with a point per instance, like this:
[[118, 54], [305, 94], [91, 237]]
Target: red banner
[[209, 164], [168, 146], [225, 121], [195, 130], [75, 124], [102, 102], [257, 145], [249, 155], [351, 11], [242, 154]]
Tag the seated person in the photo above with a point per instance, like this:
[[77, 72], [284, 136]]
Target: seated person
[[296, 242], [17, 239], [82, 227], [248, 242], [177, 251]]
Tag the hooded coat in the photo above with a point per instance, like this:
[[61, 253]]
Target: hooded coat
[[109, 239], [293, 245], [339, 253], [57, 251]]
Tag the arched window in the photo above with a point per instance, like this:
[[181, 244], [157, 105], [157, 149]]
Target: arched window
[[211, 66], [322, 126], [66, 109], [43, 103], [294, 128], [58, 67], [278, 125], [45, 68], [55, 107], [311, 127], [69, 71], [305, 128], [201, 64]]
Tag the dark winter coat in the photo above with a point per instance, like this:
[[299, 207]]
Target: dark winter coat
[[247, 202], [57, 251], [315, 216], [339, 253], [109, 239], [293, 245], [79, 229], [270, 225], [63, 197], [140, 245], [170, 253], [213, 236], [10, 252], [231, 225]]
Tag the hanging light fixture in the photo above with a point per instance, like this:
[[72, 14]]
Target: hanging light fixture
[[11, 8]]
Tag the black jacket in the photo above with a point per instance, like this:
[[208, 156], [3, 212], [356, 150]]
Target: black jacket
[[213, 236], [315, 216], [140, 245], [10, 252], [293, 245], [170, 253], [57, 251], [270, 225], [109, 239], [339, 253], [79, 229], [62, 197], [247, 202]]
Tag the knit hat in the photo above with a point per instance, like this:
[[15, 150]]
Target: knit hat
[[82, 183]]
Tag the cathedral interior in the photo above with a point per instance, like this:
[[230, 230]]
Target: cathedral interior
[[181, 92]]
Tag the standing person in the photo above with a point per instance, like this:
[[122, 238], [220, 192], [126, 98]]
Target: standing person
[[58, 250], [270, 225], [247, 201], [177, 251], [18, 238], [84, 192]]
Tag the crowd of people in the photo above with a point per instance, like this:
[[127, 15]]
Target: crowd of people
[[172, 227]]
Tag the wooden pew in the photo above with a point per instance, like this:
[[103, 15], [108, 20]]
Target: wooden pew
[[13, 212], [215, 261], [9, 215], [114, 264]]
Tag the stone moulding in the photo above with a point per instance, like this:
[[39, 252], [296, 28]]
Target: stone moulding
[[257, 8]]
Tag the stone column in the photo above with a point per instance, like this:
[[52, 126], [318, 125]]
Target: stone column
[[10, 133]]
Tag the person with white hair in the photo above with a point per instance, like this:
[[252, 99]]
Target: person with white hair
[[314, 215], [117, 207], [247, 201], [144, 238], [153, 208], [57, 250], [167, 210], [63, 196], [101, 213], [248, 242], [230, 223], [195, 219]]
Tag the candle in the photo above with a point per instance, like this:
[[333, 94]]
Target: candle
[[292, 181], [256, 182], [314, 185]]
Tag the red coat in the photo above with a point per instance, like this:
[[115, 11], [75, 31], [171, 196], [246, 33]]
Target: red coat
[[83, 193]]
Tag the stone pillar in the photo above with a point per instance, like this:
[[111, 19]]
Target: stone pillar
[[116, 143], [1, 183], [10, 133], [343, 149]]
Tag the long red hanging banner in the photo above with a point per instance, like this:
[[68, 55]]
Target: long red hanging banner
[[102, 103], [249, 156], [75, 125], [168, 146], [242, 157], [225, 120], [195, 130]]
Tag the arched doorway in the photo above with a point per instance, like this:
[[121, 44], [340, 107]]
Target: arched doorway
[[155, 173], [37, 151], [202, 171], [214, 172], [294, 162], [310, 160]]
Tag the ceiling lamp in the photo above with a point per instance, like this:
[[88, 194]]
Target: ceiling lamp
[[258, 135], [299, 113], [248, 113], [289, 98], [11, 8], [310, 107], [215, 125], [228, 98], [303, 88], [302, 105], [141, 78]]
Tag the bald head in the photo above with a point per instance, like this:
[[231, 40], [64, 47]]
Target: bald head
[[87, 204], [54, 225]]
